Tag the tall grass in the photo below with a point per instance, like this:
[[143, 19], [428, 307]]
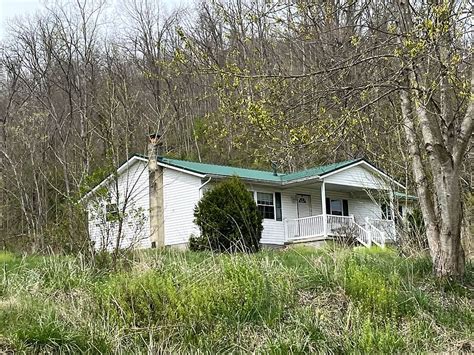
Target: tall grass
[[295, 300]]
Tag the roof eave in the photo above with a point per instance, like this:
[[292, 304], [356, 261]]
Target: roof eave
[[134, 158], [177, 168], [258, 181], [305, 179]]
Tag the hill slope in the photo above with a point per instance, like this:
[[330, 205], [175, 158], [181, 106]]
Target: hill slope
[[296, 300]]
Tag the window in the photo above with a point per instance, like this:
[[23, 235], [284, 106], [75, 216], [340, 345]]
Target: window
[[265, 205], [111, 212], [386, 212], [399, 215], [337, 207]]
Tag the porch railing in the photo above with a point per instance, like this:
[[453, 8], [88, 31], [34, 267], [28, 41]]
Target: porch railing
[[316, 226], [374, 231], [306, 227], [363, 235], [376, 235], [338, 224], [384, 225]]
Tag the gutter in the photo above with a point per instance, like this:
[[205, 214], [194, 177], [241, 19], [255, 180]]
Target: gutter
[[257, 181], [305, 179], [204, 184], [267, 182]]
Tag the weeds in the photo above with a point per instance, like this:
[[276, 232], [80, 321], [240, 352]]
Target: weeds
[[295, 300]]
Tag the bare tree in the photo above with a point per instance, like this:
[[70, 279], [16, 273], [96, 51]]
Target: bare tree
[[241, 82], [434, 105]]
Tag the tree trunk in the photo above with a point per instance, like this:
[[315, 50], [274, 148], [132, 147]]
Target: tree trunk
[[436, 156], [449, 261], [440, 200]]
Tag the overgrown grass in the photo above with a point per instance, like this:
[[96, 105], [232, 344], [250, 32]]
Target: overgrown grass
[[276, 301]]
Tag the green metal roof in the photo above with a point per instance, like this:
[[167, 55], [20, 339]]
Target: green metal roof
[[251, 174], [223, 170], [403, 196], [319, 170]]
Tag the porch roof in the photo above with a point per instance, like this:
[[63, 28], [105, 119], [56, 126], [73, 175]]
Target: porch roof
[[402, 196]]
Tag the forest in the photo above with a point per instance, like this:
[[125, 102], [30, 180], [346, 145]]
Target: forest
[[285, 84], [299, 83]]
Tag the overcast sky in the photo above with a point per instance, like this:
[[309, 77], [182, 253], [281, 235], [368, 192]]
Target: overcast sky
[[13, 8]]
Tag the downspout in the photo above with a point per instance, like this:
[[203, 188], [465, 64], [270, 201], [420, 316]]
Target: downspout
[[204, 184]]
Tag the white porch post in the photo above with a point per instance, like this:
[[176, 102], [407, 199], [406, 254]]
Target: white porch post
[[392, 211], [285, 223], [323, 206], [369, 230]]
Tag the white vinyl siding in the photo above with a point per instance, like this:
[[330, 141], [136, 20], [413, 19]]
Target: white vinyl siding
[[181, 194], [132, 186], [273, 230], [357, 176], [362, 208]]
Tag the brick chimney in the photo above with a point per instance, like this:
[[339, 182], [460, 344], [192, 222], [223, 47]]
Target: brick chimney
[[155, 171]]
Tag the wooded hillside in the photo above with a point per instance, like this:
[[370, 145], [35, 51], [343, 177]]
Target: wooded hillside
[[239, 82]]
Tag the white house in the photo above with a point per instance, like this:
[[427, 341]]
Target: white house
[[308, 205]]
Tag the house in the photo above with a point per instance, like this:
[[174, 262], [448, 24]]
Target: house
[[309, 205]]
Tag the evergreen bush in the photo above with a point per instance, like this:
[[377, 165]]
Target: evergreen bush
[[228, 218]]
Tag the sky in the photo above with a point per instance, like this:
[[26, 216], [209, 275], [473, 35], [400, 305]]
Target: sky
[[13, 8]]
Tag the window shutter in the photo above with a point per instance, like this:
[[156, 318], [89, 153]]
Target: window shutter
[[279, 215], [345, 208], [328, 205]]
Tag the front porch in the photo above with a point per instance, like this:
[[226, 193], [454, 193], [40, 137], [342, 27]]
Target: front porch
[[321, 227], [363, 213]]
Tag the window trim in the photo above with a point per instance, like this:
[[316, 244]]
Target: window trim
[[328, 206], [255, 195]]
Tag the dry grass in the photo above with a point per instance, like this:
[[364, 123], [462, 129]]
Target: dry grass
[[298, 300]]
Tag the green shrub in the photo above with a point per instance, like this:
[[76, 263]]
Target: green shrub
[[413, 237], [199, 243], [228, 219]]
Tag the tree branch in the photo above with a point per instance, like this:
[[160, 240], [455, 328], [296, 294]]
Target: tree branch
[[467, 127]]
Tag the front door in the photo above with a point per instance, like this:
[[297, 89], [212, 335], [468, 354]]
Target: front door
[[303, 205]]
